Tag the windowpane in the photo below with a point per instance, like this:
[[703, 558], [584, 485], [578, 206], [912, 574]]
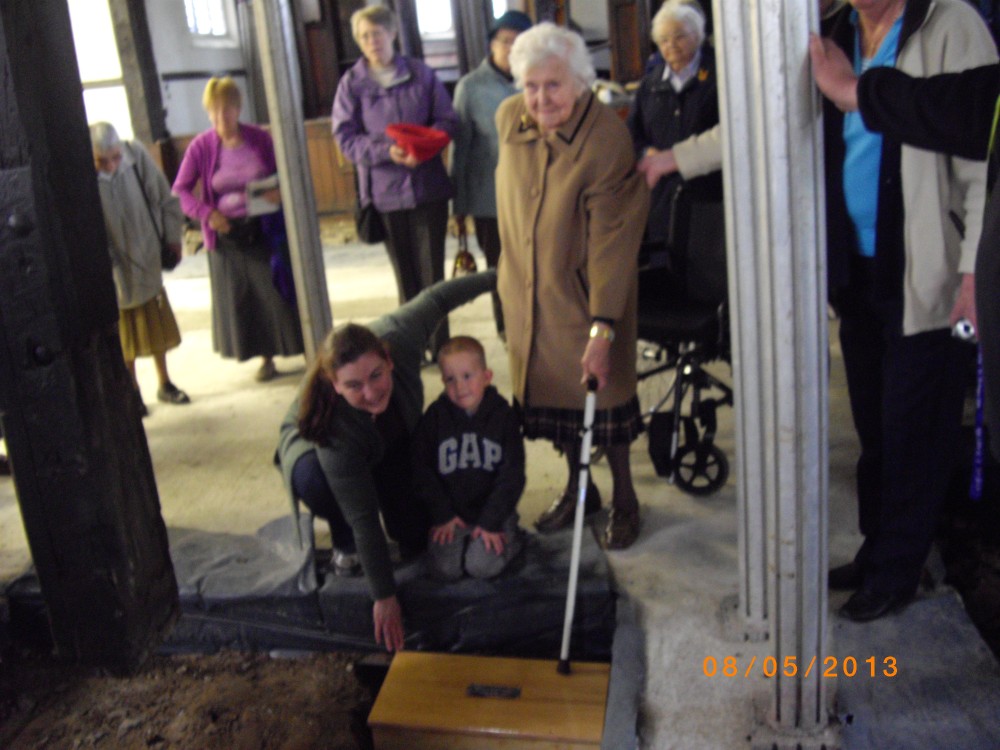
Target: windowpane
[[94, 39], [109, 104], [499, 8], [206, 17], [434, 17]]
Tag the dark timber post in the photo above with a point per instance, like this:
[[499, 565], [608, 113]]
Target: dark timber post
[[139, 72], [628, 31], [81, 464]]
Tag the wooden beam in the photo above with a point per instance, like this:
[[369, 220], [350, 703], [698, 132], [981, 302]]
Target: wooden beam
[[628, 35], [81, 465], [142, 81]]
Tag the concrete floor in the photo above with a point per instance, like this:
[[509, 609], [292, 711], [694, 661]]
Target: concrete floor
[[213, 465]]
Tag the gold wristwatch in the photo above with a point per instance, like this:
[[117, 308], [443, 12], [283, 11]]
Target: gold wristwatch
[[600, 332]]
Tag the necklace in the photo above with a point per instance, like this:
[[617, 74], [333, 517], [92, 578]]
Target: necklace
[[873, 33]]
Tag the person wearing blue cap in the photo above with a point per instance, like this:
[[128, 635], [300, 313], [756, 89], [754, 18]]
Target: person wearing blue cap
[[474, 159]]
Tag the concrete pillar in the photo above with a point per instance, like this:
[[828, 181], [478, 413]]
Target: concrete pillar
[[772, 151], [275, 36]]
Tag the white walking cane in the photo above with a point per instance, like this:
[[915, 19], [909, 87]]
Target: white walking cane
[[581, 499]]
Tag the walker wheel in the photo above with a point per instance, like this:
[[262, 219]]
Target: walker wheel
[[700, 469]]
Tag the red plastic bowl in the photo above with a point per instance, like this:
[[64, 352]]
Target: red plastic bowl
[[419, 141]]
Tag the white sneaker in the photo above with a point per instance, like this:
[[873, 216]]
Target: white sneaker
[[345, 564]]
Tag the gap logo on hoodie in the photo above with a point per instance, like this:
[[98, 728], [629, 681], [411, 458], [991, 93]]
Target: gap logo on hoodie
[[471, 452]]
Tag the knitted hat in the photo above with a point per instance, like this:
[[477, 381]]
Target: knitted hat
[[512, 19]]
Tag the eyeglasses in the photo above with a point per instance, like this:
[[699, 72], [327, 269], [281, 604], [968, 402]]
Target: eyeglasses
[[374, 34], [673, 38]]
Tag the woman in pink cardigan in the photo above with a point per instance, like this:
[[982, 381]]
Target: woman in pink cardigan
[[250, 317]]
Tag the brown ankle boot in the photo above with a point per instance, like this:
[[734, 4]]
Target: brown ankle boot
[[622, 529]]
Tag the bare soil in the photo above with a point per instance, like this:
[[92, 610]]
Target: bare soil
[[225, 701]]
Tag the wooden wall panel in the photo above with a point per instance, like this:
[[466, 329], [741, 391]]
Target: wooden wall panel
[[332, 174], [629, 34]]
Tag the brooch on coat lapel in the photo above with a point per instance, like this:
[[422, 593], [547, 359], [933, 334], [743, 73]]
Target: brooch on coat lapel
[[527, 123], [702, 75]]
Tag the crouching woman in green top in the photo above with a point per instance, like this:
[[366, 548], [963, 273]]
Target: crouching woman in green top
[[344, 448]]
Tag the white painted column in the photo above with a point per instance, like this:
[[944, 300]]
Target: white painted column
[[740, 166], [772, 157], [275, 37]]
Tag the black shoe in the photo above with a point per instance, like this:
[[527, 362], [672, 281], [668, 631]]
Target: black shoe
[[171, 394], [847, 577], [561, 513], [866, 604]]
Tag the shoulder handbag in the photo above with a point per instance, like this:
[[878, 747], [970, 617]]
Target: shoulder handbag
[[367, 219], [168, 258]]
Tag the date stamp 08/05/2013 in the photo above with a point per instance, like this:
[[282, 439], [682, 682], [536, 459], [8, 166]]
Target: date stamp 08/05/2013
[[872, 667]]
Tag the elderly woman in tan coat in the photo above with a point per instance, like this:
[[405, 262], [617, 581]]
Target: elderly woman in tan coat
[[572, 210]]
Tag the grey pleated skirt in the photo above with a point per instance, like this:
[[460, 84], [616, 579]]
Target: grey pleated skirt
[[249, 317]]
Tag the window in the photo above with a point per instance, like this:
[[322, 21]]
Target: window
[[437, 32], [434, 19], [212, 23], [499, 8], [206, 18], [100, 70]]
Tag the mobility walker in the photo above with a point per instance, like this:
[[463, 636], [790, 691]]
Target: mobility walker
[[683, 325]]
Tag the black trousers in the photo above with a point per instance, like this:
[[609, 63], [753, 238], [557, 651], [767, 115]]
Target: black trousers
[[415, 244], [488, 237], [906, 395], [406, 521]]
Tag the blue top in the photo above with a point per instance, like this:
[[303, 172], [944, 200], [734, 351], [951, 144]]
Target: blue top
[[477, 145], [863, 155]]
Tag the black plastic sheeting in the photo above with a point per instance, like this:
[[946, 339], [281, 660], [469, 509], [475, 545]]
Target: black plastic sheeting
[[261, 593], [519, 613]]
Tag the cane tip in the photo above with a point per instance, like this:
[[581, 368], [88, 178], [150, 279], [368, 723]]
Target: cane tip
[[563, 667]]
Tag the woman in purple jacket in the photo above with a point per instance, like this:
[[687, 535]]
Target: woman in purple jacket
[[250, 317], [381, 89]]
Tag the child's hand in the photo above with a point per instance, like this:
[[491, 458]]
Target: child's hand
[[445, 533], [494, 541]]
